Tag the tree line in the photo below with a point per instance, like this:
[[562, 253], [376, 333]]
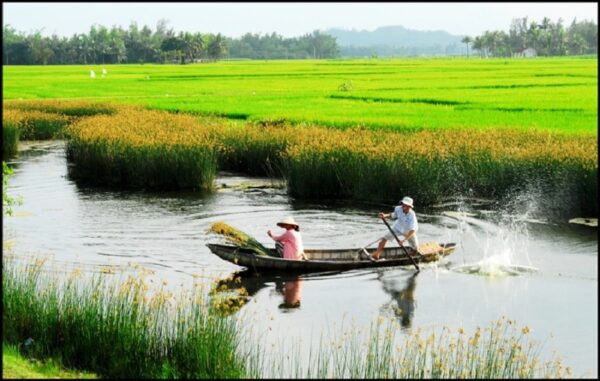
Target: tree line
[[547, 38], [102, 45]]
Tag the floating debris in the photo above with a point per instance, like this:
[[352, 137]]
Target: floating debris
[[585, 221]]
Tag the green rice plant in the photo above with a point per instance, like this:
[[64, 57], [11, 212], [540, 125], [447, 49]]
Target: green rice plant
[[116, 328], [410, 94]]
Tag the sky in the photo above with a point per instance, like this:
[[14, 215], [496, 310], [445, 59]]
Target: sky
[[286, 19]]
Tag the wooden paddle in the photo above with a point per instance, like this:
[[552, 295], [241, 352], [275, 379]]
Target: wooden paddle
[[399, 243]]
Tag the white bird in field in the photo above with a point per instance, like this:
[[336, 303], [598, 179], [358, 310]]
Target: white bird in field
[[103, 72], [92, 74]]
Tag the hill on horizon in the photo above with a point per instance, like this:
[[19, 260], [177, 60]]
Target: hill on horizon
[[393, 36], [389, 41]]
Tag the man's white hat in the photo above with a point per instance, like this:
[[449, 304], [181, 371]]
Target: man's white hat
[[407, 201], [287, 221]]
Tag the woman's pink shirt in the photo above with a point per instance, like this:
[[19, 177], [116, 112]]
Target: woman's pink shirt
[[292, 244]]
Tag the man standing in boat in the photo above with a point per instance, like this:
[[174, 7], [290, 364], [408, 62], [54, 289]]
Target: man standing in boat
[[289, 245], [406, 225]]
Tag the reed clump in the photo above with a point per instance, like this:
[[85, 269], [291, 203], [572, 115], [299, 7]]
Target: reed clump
[[143, 149], [35, 125], [503, 350], [139, 148], [238, 238], [253, 149], [117, 329], [430, 165]]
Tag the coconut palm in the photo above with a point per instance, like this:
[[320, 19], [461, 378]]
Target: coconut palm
[[467, 40]]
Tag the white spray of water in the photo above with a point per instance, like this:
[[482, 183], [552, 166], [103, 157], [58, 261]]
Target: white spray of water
[[492, 248]]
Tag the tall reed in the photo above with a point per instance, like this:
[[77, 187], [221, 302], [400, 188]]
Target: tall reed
[[500, 351], [119, 329], [143, 149], [35, 125], [376, 165], [156, 149]]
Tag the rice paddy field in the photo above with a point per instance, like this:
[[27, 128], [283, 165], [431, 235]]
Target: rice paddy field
[[556, 94]]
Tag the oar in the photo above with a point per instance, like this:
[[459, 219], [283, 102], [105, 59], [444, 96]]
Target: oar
[[399, 243]]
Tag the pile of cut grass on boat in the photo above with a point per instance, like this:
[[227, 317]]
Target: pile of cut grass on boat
[[238, 238], [116, 328]]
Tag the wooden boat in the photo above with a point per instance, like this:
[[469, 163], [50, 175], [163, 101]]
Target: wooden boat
[[332, 259]]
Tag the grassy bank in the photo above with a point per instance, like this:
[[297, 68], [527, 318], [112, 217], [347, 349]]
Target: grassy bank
[[15, 366], [116, 329]]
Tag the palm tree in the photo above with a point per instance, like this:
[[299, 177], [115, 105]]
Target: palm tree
[[467, 40], [478, 45]]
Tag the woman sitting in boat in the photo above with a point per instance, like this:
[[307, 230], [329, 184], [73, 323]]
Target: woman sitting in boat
[[289, 244]]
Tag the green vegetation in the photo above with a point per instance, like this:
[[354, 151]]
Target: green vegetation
[[126, 330], [431, 128], [556, 94], [238, 238], [15, 366], [143, 148], [7, 201], [116, 329], [500, 351]]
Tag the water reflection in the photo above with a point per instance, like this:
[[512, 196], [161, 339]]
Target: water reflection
[[238, 288], [402, 292], [292, 293]]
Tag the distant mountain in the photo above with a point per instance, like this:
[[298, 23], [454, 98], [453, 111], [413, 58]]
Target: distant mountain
[[396, 40]]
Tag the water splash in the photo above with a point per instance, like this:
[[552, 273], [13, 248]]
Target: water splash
[[495, 244]]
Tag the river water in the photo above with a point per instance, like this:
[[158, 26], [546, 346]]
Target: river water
[[541, 274]]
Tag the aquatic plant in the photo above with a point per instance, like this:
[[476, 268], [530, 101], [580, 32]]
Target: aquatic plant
[[117, 328], [500, 351], [7, 201], [239, 238], [35, 125], [143, 149]]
